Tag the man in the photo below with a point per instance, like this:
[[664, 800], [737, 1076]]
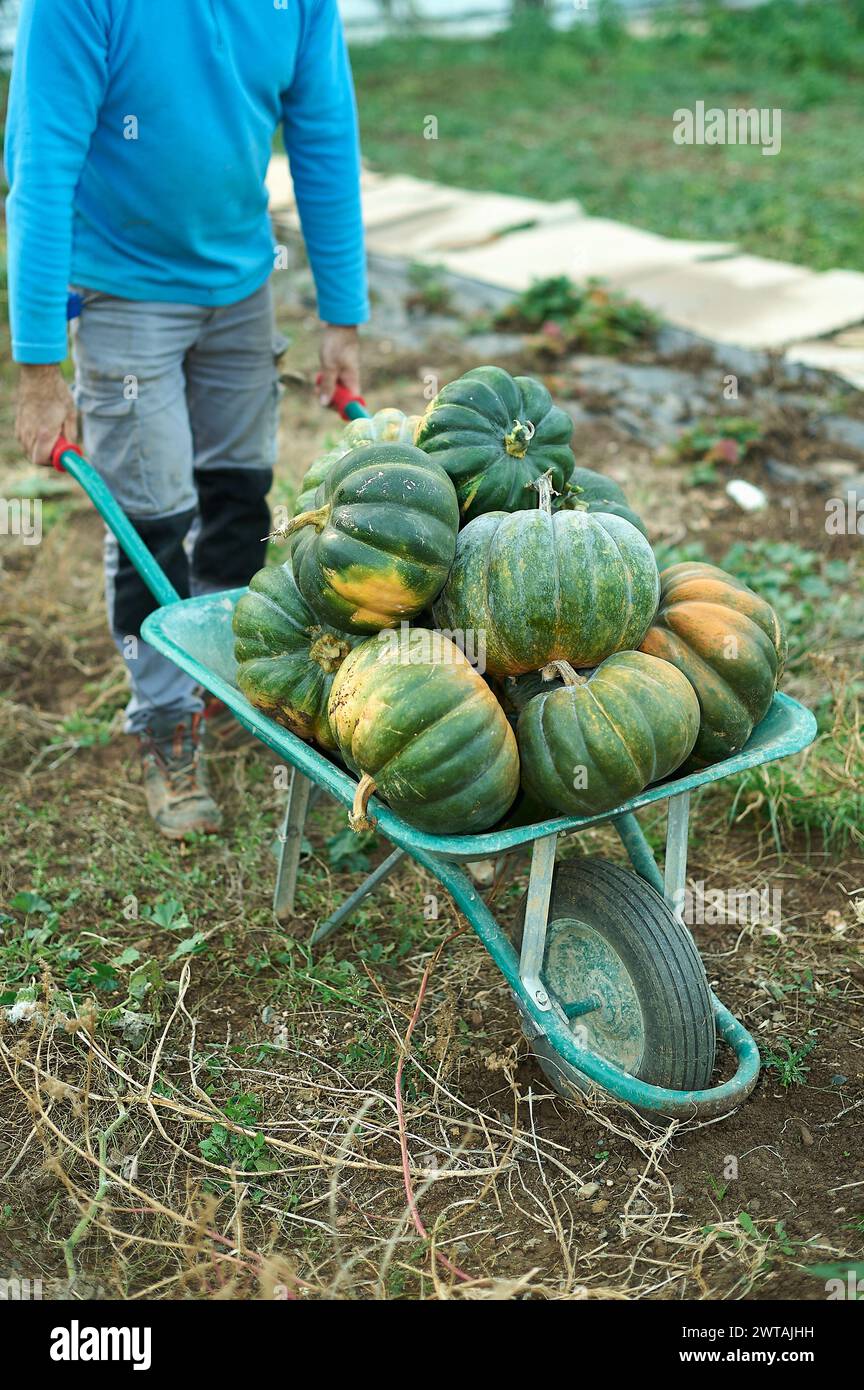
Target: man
[[139, 134]]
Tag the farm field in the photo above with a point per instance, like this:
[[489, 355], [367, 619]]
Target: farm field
[[595, 119], [240, 1092]]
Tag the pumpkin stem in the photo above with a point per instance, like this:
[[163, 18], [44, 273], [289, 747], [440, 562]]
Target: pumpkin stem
[[565, 671], [357, 818], [543, 485], [317, 518], [517, 441], [574, 501], [328, 652]]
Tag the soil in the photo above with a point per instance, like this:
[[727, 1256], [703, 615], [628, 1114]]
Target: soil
[[658, 1215]]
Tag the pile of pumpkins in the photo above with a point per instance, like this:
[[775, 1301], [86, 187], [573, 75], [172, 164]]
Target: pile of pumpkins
[[465, 612]]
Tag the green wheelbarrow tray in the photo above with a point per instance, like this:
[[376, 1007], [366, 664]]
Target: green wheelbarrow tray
[[196, 634]]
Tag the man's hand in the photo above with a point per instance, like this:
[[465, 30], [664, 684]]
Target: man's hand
[[45, 411], [340, 361]]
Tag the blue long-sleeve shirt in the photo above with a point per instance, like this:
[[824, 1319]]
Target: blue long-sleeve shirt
[[138, 138]]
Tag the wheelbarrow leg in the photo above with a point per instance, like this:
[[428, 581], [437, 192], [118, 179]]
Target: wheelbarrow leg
[[335, 920], [638, 850], [536, 917], [290, 842], [671, 883], [675, 867]]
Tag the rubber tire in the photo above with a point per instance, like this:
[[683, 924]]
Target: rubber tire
[[664, 967]]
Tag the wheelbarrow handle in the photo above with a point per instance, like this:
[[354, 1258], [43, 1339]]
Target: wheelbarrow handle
[[67, 457], [348, 406]]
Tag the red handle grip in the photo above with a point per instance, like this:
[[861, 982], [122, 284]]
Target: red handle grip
[[341, 398], [61, 447]]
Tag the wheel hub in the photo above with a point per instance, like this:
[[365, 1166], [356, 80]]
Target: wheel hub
[[581, 966]]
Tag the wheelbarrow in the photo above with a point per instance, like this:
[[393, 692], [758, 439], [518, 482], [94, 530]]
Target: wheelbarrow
[[604, 972]]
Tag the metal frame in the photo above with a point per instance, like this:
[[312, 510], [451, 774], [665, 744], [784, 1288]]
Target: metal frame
[[196, 635]]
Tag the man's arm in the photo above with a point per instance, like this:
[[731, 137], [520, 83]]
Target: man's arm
[[58, 80], [321, 139]]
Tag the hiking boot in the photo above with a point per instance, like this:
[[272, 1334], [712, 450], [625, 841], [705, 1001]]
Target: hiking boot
[[175, 778], [222, 726]]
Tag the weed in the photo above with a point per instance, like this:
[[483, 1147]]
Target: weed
[[570, 317], [789, 1061]]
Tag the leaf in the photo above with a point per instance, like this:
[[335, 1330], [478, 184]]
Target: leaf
[[127, 957], [188, 946], [838, 1270], [146, 978], [29, 902], [745, 1221], [170, 914]]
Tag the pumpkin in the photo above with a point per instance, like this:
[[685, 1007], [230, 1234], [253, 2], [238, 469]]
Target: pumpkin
[[495, 434], [534, 587], [598, 740], [313, 477], [378, 544], [388, 426], [728, 642], [413, 716], [286, 659], [596, 493]]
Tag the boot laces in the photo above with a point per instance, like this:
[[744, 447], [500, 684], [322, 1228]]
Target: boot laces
[[179, 756]]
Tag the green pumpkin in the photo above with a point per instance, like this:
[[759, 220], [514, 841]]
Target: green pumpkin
[[515, 692], [388, 426], [413, 716], [728, 642], [314, 477], [495, 434], [286, 659], [596, 493], [376, 547], [534, 587], [596, 741]]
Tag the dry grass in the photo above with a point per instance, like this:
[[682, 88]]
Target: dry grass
[[248, 1142]]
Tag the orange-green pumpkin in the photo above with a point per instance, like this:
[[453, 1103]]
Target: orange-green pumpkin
[[598, 740], [730, 645], [377, 545], [535, 587], [413, 716], [387, 426], [286, 659], [495, 434]]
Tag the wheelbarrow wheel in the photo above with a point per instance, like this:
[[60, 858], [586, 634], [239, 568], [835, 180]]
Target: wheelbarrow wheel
[[616, 950]]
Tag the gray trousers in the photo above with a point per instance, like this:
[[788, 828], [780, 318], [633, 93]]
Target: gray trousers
[[179, 408]]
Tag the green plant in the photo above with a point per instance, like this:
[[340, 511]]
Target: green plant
[[789, 1061], [429, 290], [248, 1152], [495, 434], [724, 440], [570, 317], [349, 852]]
